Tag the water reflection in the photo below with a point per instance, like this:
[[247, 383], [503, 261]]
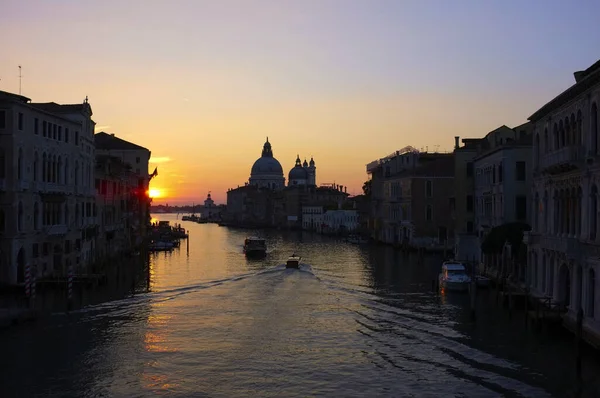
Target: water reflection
[[357, 321]]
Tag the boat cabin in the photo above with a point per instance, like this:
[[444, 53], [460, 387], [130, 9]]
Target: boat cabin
[[453, 268], [293, 261]]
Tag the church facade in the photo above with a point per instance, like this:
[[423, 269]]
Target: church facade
[[265, 200]]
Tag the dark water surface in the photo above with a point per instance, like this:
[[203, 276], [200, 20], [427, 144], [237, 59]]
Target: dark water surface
[[353, 322]]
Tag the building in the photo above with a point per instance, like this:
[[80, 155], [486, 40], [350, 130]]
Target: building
[[339, 221], [312, 218], [466, 240], [502, 179], [564, 244], [303, 173], [267, 172], [411, 198], [250, 205], [210, 211], [116, 185], [47, 195], [136, 158]]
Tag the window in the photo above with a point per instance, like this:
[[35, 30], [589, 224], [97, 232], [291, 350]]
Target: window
[[428, 189], [20, 218], [77, 138], [521, 208], [44, 128], [66, 134], [2, 119], [591, 292], [429, 214], [54, 131], [36, 126], [137, 159], [60, 133], [520, 171], [469, 226], [500, 172], [469, 203], [20, 121], [469, 169]]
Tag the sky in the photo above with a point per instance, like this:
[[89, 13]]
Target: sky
[[201, 84]]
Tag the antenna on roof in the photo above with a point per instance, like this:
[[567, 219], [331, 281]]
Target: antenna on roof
[[20, 77]]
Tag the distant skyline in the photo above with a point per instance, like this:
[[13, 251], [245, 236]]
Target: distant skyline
[[202, 83]]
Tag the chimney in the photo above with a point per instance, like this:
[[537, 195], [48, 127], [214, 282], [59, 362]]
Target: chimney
[[112, 134], [456, 139], [345, 189], [579, 75]]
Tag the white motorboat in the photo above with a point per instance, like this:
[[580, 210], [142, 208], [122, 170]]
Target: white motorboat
[[454, 277]]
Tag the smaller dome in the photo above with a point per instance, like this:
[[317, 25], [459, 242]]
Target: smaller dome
[[312, 162], [298, 173], [305, 164]]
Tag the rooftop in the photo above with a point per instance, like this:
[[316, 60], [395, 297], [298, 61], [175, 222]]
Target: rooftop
[[109, 142]]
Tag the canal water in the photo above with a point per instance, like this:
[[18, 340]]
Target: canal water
[[356, 321]]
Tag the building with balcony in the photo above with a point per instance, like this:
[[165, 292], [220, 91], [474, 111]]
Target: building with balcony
[[47, 196], [564, 244]]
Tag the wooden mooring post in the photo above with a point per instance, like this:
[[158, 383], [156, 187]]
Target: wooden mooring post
[[578, 343]]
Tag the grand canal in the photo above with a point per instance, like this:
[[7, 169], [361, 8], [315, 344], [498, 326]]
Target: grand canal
[[359, 321]]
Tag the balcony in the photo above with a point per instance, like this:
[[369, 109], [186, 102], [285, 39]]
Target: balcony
[[58, 229], [24, 185], [562, 160], [531, 238], [570, 246]]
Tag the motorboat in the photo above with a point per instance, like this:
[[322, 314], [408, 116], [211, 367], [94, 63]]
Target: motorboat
[[254, 246], [160, 246], [454, 277], [356, 239], [293, 261]]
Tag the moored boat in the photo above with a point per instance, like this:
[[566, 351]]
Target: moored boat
[[293, 261], [254, 246], [454, 277], [356, 239], [158, 246]]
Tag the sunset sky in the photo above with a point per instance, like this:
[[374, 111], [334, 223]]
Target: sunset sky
[[202, 83]]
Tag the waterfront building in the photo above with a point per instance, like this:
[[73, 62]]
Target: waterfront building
[[210, 211], [502, 181], [564, 244], [136, 158], [47, 209], [312, 218], [339, 221], [115, 200], [411, 197]]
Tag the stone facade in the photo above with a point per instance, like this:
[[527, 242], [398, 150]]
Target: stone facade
[[564, 245], [47, 197]]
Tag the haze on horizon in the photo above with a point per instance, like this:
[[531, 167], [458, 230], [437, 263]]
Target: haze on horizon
[[202, 83]]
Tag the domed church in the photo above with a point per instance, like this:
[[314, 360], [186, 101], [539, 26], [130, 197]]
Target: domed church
[[267, 171], [303, 173]]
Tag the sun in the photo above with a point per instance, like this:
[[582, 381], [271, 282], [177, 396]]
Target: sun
[[154, 193]]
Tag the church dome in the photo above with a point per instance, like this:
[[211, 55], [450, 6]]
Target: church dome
[[298, 172], [266, 164]]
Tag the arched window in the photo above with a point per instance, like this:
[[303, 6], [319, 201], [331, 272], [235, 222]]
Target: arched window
[[536, 212], [555, 134], [20, 218], [67, 221], [546, 143], [20, 164], [59, 174], [593, 212], [36, 216], [36, 163], [76, 173], [594, 128], [44, 167], [546, 213], [591, 293], [580, 128], [2, 220], [561, 132], [67, 181], [54, 168], [537, 150], [567, 131]]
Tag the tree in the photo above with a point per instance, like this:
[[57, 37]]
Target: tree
[[498, 236], [367, 187]]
